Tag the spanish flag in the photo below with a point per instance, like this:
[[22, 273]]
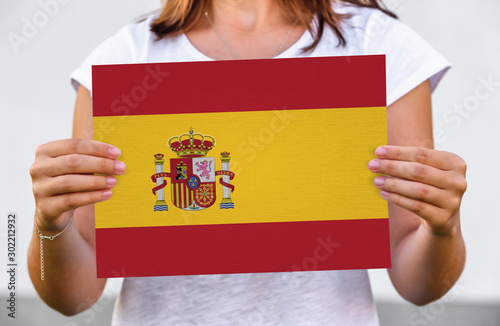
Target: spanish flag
[[242, 166]]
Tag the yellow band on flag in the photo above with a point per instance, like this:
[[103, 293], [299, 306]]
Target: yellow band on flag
[[301, 165]]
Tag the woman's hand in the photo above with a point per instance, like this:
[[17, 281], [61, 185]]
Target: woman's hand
[[427, 182], [63, 177]]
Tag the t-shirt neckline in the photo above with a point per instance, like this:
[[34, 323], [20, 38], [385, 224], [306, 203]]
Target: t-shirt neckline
[[295, 47]]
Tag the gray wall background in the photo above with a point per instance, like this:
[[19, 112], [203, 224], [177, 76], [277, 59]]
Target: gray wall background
[[36, 103]]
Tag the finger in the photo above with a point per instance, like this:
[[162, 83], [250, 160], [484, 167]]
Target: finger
[[413, 190], [438, 159], [426, 211], [410, 171], [57, 205], [76, 183], [78, 146], [77, 163]]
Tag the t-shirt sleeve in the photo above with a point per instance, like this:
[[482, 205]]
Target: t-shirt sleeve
[[410, 60], [117, 49]]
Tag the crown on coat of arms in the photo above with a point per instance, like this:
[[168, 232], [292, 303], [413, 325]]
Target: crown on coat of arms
[[192, 144]]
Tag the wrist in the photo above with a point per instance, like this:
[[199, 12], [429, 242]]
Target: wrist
[[448, 230], [50, 228]]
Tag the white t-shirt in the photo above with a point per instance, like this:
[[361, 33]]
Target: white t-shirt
[[300, 298]]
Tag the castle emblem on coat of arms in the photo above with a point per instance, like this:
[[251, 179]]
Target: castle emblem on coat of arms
[[192, 174]]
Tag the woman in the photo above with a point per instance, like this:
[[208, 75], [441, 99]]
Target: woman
[[424, 191]]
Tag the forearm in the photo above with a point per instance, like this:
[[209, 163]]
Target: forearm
[[426, 265], [70, 285]]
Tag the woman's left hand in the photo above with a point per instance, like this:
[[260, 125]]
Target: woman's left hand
[[427, 182]]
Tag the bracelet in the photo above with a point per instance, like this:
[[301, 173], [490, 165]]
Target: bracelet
[[51, 237]]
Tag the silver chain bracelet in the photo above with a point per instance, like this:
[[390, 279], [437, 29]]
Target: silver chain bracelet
[[51, 237]]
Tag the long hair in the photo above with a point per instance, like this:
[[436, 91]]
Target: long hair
[[180, 16]]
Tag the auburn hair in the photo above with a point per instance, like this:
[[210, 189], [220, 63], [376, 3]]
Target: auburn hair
[[180, 16]]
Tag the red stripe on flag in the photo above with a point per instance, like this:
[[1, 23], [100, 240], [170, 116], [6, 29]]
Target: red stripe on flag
[[244, 85], [243, 248]]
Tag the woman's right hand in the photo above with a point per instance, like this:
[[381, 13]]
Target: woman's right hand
[[63, 178]]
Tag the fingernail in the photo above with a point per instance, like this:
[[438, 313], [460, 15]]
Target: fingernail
[[374, 164], [111, 181], [114, 152], [379, 181], [120, 167], [106, 194], [384, 194], [381, 152]]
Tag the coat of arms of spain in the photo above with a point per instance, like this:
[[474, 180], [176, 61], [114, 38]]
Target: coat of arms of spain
[[192, 174]]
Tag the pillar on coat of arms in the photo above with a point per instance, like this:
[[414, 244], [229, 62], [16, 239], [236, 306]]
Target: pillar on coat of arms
[[160, 205], [226, 202]]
